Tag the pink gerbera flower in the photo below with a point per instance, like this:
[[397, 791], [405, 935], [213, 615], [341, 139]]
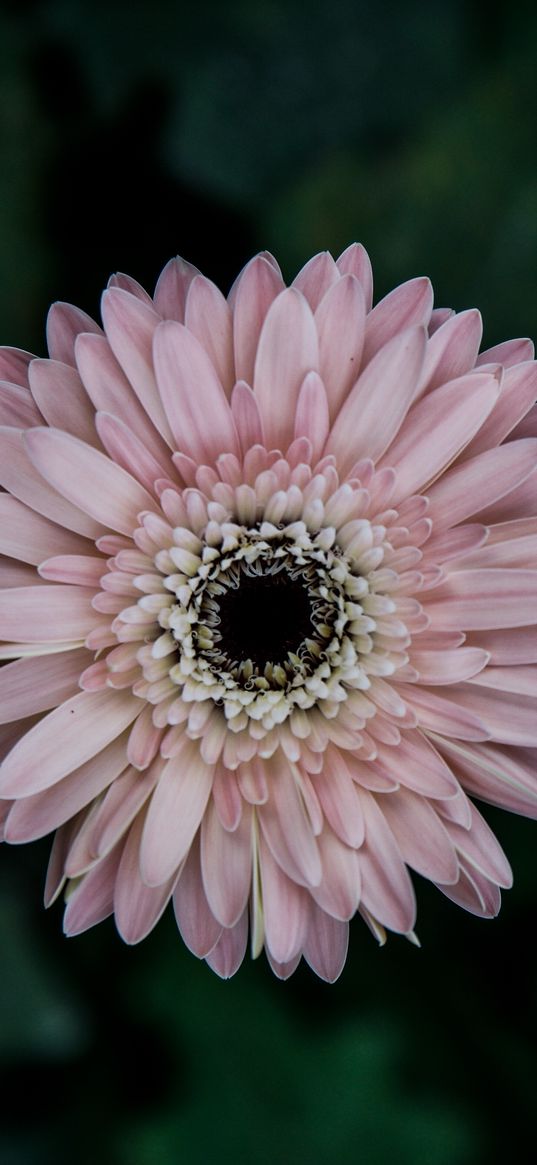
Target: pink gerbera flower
[[269, 594]]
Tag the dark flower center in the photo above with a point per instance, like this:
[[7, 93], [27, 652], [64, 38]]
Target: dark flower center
[[264, 618]]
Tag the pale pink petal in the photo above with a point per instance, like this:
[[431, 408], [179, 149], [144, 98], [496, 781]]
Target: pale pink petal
[[65, 739], [191, 392], [517, 645], [377, 405], [227, 799], [502, 776], [479, 847], [246, 416], [199, 929], [144, 740], [110, 392], [286, 826], [61, 397], [339, 891], [287, 350], [311, 418], [452, 351], [386, 887], [437, 428], [88, 479], [438, 713], [129, 452], [285, 908], [447, 667], [339, 798], [93, 898], [316, 278], [226, 865], [14, 365], [172, 287], [127, 283], [46, 614], [340, 319], [17, 407], [175, 811], [255, 290], [20, 477], [325, 947], [130, 326], [408, 306], [474, 600], [355, 261], [467, 488], [34, 816], [64, 324], [510, 717], [137, 907], [518, 394], [422, 839], [34, 685], [208, 316], [228, 953], [474, 893], [415, 764], [508, 353], [520, 502], [27, 535], [17, 574], [78, 569]]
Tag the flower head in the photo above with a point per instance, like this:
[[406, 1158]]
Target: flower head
[[269, 596]]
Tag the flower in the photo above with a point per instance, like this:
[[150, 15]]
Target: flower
[[269, 594]]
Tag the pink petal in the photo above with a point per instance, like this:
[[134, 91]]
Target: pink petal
[[286, 826], [191, 392], [34, 685], [501, 776], [448, 667], [339, 891], [78, 569], [339, 798], [288, 349], [355, 261], [17, 407], [27, 535], [340, 320], [285, 909], [199, 929], [508, 353], [208, 316], [175, 811], [60, 395], [228, 953], [480, 848], [510, 718], [127, 283], [65, 739], [93, 899], [474, 893], [437, 428], [386, 887], [88, 479], [46, 614], [255, 290], [137, 907], [311, 418], [437, 713], [316, 278], [110, 392], [129, 452], [226, 865], [325, 947], [408, 306], [422, 839], [478, 599], [416, 764], [468, 487], [172, 287], [377, 405], [64, 324], [513, 645], [36, 815], [14, 365], [246, 416], [22, 479], [227, 799], [130, 326], [518, 394], [452, 351]]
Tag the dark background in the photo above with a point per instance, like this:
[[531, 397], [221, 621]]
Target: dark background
[[130, 132]]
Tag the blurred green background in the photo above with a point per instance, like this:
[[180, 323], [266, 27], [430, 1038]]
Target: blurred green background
[[128, 133]]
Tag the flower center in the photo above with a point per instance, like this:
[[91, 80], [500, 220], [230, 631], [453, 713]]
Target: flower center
[[264, 618]]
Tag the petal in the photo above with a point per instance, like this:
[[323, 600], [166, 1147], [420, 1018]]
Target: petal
[[172, 287], [286, 826], [407, 306], [129, 452], [228, 953], [479, 599], [208, 316], [340, 320], [199, 929], [339, 799], [438, 713], [64, 324], [422, 839], [255, 290], [34, 685], [175, 811], [20, 477], [46, 614], [355, 261], [339, 890], [377, 405], [130, 326], [326, 944], [88, 479], [311, 418], [452, 350], [28, 536], [17, 407], [285, 909], [386, 887], [510, 717], [191, 392], [226, 865], [437, 428], [61, 397], [14, 365], [416, 764], [65, 739], [468, 487], [137, 907], [93, 898], [247, 417], [447, 667], [316, 278], [288, 349], [518, 394]]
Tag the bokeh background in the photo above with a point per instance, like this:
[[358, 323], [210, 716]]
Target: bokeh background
[[130, 132]]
